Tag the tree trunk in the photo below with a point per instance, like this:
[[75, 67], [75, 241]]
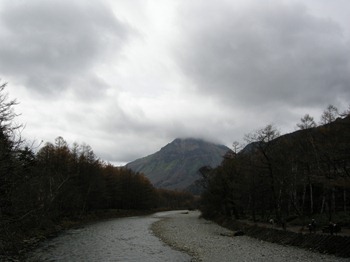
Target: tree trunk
[[276, 201], [330, 208], [333, 209], [323, 204], [344, 198], [303, 199], [253, 208], [311, 199]]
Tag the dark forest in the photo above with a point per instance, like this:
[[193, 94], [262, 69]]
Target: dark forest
[[42, 192], [291, 178]]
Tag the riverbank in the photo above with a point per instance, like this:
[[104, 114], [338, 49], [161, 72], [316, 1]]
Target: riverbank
[[206, 241], [325, 243], [14, 247], [121, 239]]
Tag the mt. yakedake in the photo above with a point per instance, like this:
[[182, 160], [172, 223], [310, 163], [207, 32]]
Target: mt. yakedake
[[176, 165]]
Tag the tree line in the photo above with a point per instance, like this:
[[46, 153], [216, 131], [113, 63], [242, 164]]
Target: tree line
[[58, 182], [294, 176]]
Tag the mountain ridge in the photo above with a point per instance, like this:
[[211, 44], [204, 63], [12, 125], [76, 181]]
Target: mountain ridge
[[175, 165]]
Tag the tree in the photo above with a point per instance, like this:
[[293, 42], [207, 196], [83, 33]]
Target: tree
[[10, 143], [346, 112], [329, 115], [263, 135], [7, 113], [306, 122], [236, 146], [264, 162]]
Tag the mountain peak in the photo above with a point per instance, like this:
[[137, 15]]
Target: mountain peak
[[183, 144], [176, 165]]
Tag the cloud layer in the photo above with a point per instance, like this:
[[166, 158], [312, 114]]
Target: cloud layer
[[127, 77], [56, 45], [274, 53]]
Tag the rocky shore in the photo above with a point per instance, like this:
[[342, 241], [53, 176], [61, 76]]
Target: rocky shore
[[206, 241]]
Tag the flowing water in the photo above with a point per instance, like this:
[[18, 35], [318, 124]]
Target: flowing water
[[122, 239]]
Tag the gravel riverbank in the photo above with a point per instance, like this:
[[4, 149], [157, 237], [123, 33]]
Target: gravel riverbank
[[206, 241]]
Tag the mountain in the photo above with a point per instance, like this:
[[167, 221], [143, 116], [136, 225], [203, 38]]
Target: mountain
[[175, 166]]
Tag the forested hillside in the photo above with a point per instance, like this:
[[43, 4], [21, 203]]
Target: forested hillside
[[295, 176]]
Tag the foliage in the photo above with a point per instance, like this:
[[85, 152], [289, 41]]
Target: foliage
[[62, 182], [10, 157], [301, 174]]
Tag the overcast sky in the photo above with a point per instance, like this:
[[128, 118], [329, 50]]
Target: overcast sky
[[129, 76]]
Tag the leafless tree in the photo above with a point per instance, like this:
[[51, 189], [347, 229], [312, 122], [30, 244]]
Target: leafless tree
[[306, 122], [329, 115], [236, 146]]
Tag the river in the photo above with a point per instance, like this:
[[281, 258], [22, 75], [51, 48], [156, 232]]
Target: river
[[122, 239]]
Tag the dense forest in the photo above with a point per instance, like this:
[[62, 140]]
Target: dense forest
[[290, 178], [41, 189]]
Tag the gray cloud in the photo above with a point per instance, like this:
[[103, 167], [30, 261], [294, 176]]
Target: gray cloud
[[208, 69], [264, 54], [50, 44]]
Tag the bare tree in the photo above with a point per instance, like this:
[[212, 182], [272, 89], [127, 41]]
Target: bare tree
[[264, 162], [306, 122], [329, 115], [264, 135], [236, 146], [346, 112]]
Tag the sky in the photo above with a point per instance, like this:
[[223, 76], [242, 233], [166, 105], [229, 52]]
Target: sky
[[129, 76]]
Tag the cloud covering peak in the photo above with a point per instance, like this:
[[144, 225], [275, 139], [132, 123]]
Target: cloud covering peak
[[127, 77]]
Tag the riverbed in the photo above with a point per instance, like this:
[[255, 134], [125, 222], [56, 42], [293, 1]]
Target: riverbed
[[122, 239], [187, 236], [208, 242]]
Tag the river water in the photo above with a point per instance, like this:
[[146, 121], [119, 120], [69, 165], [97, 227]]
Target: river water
[[122, 239]]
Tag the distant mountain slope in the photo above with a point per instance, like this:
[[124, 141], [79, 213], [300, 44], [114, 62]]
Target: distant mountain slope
[[176, 165]]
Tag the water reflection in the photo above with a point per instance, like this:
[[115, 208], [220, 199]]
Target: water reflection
[[124, 239]]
